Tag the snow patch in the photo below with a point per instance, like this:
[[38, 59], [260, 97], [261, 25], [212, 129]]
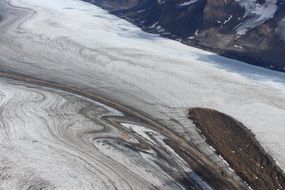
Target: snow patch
[[255, 14], [187, 3]]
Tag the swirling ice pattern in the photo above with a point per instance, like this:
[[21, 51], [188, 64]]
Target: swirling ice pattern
[[55, 140], [75, 44]]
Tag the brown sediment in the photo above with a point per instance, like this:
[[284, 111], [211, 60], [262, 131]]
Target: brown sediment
[[239, 147]]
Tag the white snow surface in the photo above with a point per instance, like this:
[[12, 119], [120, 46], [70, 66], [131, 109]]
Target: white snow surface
[[78, 43]]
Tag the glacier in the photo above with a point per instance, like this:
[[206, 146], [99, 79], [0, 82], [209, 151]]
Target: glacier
[[77, 44]]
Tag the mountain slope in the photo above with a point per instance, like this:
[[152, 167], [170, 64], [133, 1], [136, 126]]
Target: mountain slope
[[250, 31]]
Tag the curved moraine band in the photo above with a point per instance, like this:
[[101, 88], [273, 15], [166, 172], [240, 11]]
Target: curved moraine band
[[53, 139]]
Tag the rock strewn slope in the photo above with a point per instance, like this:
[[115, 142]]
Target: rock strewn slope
[[240, 148]]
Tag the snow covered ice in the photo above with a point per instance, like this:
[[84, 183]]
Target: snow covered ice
[[78, 44]]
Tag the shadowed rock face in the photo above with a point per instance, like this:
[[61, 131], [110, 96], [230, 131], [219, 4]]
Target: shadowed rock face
[[229, 28], [239, 148]]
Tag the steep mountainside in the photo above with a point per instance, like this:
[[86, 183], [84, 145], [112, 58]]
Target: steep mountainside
[[246, 30]]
